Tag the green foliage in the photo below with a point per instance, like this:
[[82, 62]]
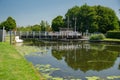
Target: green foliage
[[106, 19], [9, 24], [113, 34], [119, 24], [57, 23], [91, 18], [44, 26], [97, 37], [36, 28]]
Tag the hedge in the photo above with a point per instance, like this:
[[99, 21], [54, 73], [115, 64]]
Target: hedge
[[113, 34], [97, 37]]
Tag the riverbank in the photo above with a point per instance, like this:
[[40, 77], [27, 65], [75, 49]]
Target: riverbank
[[14, 67], [107, 40]]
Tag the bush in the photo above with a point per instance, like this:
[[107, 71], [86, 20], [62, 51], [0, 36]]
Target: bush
[[97, 37], [113, 34]]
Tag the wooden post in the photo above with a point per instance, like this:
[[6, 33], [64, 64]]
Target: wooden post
[[10, 37], [33, 34], [3, 34]]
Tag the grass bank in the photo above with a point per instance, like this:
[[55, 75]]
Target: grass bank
[[111, 40], [14, 67]]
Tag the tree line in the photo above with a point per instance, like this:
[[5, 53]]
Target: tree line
[[87, 18], [10, 24], [43, 26], [91, 18]]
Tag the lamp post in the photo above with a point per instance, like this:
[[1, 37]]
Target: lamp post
[[75, 19], [68, 22]]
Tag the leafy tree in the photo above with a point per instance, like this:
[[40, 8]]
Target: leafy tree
[[72, 13], [36, 28], [48, 28], [43, 25], [9, 24], [86, 17], [24, 28], [119, 24], [20, 28], [57, 23], [106, 19], [91, 18], [28, 28]]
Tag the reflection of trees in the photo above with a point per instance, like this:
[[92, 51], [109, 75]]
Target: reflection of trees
[[58, 54], [113, 48], [119, 67], [87, 60], [97, 46]]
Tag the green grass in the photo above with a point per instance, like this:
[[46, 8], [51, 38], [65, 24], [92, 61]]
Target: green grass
[[110, 39], [14, 67]]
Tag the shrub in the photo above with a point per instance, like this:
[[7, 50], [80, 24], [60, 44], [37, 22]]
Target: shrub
[[97, 37], [113, 34]]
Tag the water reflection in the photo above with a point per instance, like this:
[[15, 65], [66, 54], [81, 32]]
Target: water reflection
[[80, 60], [86, 56]]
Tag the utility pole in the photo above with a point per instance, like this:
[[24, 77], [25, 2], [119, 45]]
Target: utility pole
[[75, 19], [68, 22]]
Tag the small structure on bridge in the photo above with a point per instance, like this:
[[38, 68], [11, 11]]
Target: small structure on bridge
[[68, 32]]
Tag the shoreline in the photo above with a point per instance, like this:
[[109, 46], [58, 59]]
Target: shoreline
[[15, 66]]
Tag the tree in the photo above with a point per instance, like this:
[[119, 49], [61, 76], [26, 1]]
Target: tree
[[48, 28], [93, 18], [72, 13], [86, 17], [36, 27], [43, 25], [106, 19], [119, 24], [57, 23], [9, 24]]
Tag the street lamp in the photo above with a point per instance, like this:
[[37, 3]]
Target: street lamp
[[68, 22], [75, 19]]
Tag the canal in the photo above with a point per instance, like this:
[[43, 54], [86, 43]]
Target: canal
[[77, 61]]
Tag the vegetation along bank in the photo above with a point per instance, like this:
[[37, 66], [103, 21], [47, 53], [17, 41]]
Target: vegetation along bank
[[14, 67]]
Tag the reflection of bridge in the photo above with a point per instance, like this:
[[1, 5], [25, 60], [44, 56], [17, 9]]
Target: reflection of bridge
[[75, 36], [71, 46]]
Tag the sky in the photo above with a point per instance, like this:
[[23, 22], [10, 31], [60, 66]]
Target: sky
[[31, 12]]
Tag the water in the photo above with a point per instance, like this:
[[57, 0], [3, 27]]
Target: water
[[79, 61]]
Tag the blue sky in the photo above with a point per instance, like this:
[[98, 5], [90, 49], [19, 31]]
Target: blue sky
[[30, 12]]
